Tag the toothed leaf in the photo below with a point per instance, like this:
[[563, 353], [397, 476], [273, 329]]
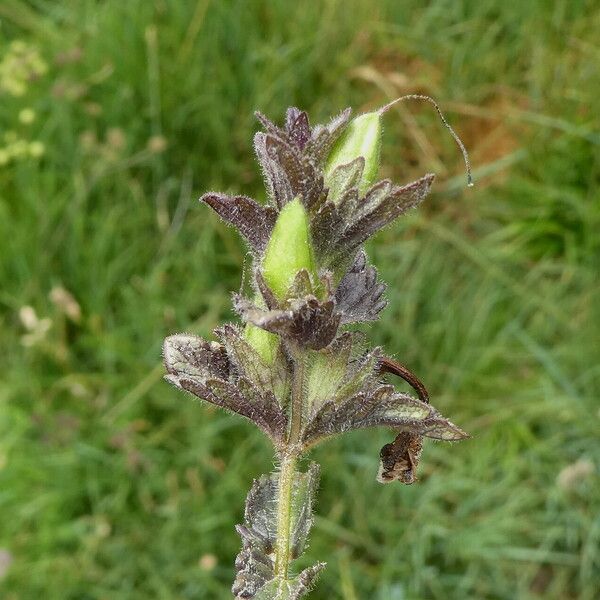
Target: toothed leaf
[[290, 589], [253, 221], [380, 406], [255, 562], [359, 296], [185, 354], [271, 376], [242, 398], [297, 127], [303, 499], [343, 178], [439, 428], [324, 136], [382, 205]]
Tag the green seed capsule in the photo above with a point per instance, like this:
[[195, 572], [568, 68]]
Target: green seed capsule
[[361, 138], [289, 250]]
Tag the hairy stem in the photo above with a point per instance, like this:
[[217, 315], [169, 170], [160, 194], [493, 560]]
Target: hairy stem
[[287, 473], [284, 515], [297, 401]]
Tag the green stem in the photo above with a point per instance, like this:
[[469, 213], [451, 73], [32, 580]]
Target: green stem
[[284, 516], [297, 401], [287, 472]]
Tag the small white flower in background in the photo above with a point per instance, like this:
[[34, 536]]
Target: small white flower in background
[[18, 149], [66, 303], [157, 144], [29, 318], [115, 138], [20, 66], [36, 328], [5, 561], [207, 562], [575, 473]]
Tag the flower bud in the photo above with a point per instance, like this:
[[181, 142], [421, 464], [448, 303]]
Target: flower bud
[[289, 249], [361, 138]]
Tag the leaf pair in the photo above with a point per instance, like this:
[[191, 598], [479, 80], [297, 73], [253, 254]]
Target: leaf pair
[[232, 376], [255, 564]]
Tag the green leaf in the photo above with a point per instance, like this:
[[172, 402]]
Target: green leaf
[[255, 563], [344, 177], [303, 498], [269, 375]]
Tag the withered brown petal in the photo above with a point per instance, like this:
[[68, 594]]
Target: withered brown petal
[[399, 459]]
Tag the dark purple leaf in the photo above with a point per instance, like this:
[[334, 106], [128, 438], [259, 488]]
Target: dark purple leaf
[[254, 221], [359, 295]]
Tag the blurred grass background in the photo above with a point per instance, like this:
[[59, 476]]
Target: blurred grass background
[[116, 116]]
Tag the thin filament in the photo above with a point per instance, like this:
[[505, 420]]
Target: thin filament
[[446, 124]]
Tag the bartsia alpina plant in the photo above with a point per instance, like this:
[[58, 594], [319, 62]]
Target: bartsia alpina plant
[[295, 367]]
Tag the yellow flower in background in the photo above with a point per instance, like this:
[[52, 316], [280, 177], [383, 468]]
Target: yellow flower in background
[[36, 149], [27, 116], [20, 65]]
